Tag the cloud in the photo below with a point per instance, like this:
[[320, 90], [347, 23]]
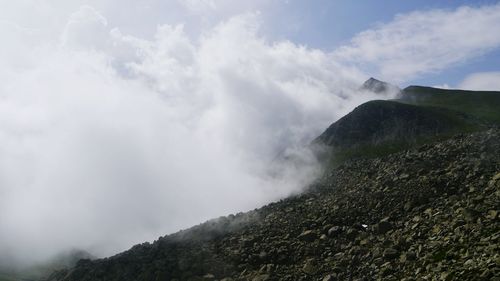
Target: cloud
[[111, 140], [424, 42], [442, 86], [86, 28], [199, 5], [482, 81]]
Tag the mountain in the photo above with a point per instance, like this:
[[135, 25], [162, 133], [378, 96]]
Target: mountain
[[418, 115], [378, 86], [410, 191], [378, 121], [481, 104]]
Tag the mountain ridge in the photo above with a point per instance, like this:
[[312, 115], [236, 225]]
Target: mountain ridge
[[376, 121], [417, 115]]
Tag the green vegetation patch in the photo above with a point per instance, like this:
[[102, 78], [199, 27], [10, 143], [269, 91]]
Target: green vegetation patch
[[481, 104]]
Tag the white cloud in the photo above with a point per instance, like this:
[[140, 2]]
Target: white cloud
[[482, 81], [111, 140], [86, 28], [442, 86], [199, 5], [424, 41]]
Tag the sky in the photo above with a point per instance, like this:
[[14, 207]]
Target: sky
[[121, 121]]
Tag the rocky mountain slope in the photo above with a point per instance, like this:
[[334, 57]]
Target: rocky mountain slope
[[429, 213], [407, 201]]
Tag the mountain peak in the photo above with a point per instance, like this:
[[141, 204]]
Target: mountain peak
[[371, 80], [378, 86]]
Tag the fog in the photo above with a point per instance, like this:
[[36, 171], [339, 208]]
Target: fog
[[108, 139]]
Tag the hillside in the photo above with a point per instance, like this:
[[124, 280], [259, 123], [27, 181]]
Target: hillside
[[417, 116], [482, 104], [427, 213], [380, 121]]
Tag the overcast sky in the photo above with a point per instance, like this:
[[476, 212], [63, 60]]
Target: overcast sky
[[124, 120]]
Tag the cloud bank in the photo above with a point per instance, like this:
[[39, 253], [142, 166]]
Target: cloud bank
[[482, 81], [424, 42], [108, 139]]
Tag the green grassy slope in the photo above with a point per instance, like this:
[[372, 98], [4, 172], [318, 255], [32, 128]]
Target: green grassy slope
[[420, 115], [377, 121], [482, 104], [378, 128]]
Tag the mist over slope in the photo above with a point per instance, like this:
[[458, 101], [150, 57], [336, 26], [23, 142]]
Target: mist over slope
[[109, 139], [350, 208], [426, 213]]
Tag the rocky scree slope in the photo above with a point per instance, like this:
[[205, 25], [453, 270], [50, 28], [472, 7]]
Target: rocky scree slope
[[429, 213]]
